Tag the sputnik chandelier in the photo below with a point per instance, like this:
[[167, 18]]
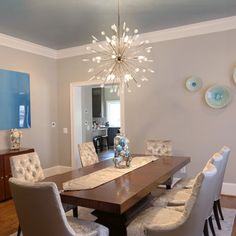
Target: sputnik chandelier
[[121, 59]]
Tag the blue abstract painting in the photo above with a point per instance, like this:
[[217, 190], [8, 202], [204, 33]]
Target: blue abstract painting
[[14, 100]]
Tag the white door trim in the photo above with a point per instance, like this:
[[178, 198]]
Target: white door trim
[[76, 118]]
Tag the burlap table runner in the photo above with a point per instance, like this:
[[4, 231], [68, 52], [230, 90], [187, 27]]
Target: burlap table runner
[[105, 175]]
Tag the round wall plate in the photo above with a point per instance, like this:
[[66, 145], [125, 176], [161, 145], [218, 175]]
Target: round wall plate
[[193, 84], [218, 96]]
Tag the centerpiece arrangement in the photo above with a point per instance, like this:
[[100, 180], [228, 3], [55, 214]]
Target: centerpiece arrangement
[[122, 157], [15, 137]]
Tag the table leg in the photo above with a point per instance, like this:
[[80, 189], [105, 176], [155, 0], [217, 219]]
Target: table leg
[[115, 223]]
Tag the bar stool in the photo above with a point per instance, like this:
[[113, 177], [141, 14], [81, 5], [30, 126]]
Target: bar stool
[[104, 138], [97, 141]]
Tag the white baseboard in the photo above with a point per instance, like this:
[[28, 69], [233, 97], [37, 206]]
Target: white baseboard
[[229, 189], [55, 170]]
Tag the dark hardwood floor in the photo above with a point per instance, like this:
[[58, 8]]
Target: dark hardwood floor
[[9, 222]]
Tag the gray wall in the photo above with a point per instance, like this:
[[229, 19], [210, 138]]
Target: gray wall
[[43, 92], [169, 111], [163, 108], [87, 113]]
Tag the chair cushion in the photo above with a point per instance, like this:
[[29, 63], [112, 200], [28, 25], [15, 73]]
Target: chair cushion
[[176, 196], [173, 197], [87, 228], [163, 217]]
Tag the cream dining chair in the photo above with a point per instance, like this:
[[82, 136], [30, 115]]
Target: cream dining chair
[[180, 193], [160, 148], [88, 155], [225, 152], [27, 167], [188, 219], [40, 212]]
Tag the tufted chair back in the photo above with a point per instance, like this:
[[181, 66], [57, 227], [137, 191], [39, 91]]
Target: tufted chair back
[[88, 155], [159, 147], [27, 167]]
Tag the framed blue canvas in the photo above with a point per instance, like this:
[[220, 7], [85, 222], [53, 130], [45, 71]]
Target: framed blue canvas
[[14, 100]]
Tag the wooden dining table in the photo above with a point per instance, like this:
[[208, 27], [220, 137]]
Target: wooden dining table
[[117, 202]]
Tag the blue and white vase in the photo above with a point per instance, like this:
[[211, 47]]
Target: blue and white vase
[[122, 157]]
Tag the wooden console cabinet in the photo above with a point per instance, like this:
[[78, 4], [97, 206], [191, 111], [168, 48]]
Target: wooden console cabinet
[[5, 170]]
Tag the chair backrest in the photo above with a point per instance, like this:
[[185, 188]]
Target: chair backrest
[[225, 151], [204, 202], [217, 160], [159, 147], [88, 155], [27, 167], [39, 208]]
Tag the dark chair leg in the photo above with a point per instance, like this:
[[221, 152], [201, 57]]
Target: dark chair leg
[[107, 143], [75, 212], [95, 144], [205, 230], [169, 183], [219, 208], [211, 226], [19, 230], [168, 186], [215, 210]]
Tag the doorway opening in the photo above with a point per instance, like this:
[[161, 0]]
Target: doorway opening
[[97, 115]]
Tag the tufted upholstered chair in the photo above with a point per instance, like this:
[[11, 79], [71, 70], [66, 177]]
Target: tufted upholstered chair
[[225, 152], [40, 212], [160, 148], [180, 194], [27, 167], [88, 155], [188, 219]]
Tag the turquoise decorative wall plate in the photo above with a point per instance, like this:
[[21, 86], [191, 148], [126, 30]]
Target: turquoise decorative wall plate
[[193, 84], [218, 96]]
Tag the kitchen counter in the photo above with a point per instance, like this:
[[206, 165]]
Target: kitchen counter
[[99, 131]]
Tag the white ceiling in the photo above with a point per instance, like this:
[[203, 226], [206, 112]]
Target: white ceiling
[[62, 24]]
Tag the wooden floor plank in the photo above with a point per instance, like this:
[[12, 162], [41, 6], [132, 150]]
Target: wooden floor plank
[[8, 218]]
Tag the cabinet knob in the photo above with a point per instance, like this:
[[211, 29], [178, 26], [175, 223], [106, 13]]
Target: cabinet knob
[[2, 177], [6, 176]]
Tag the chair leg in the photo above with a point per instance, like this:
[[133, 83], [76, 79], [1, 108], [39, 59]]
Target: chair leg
[[211, 226], [169, 183], [75, 212], [219, 208], [205, 230], [215, 210], [19, 230], [168, 186]]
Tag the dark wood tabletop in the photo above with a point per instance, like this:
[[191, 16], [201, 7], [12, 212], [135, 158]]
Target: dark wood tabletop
[[119, 195]]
